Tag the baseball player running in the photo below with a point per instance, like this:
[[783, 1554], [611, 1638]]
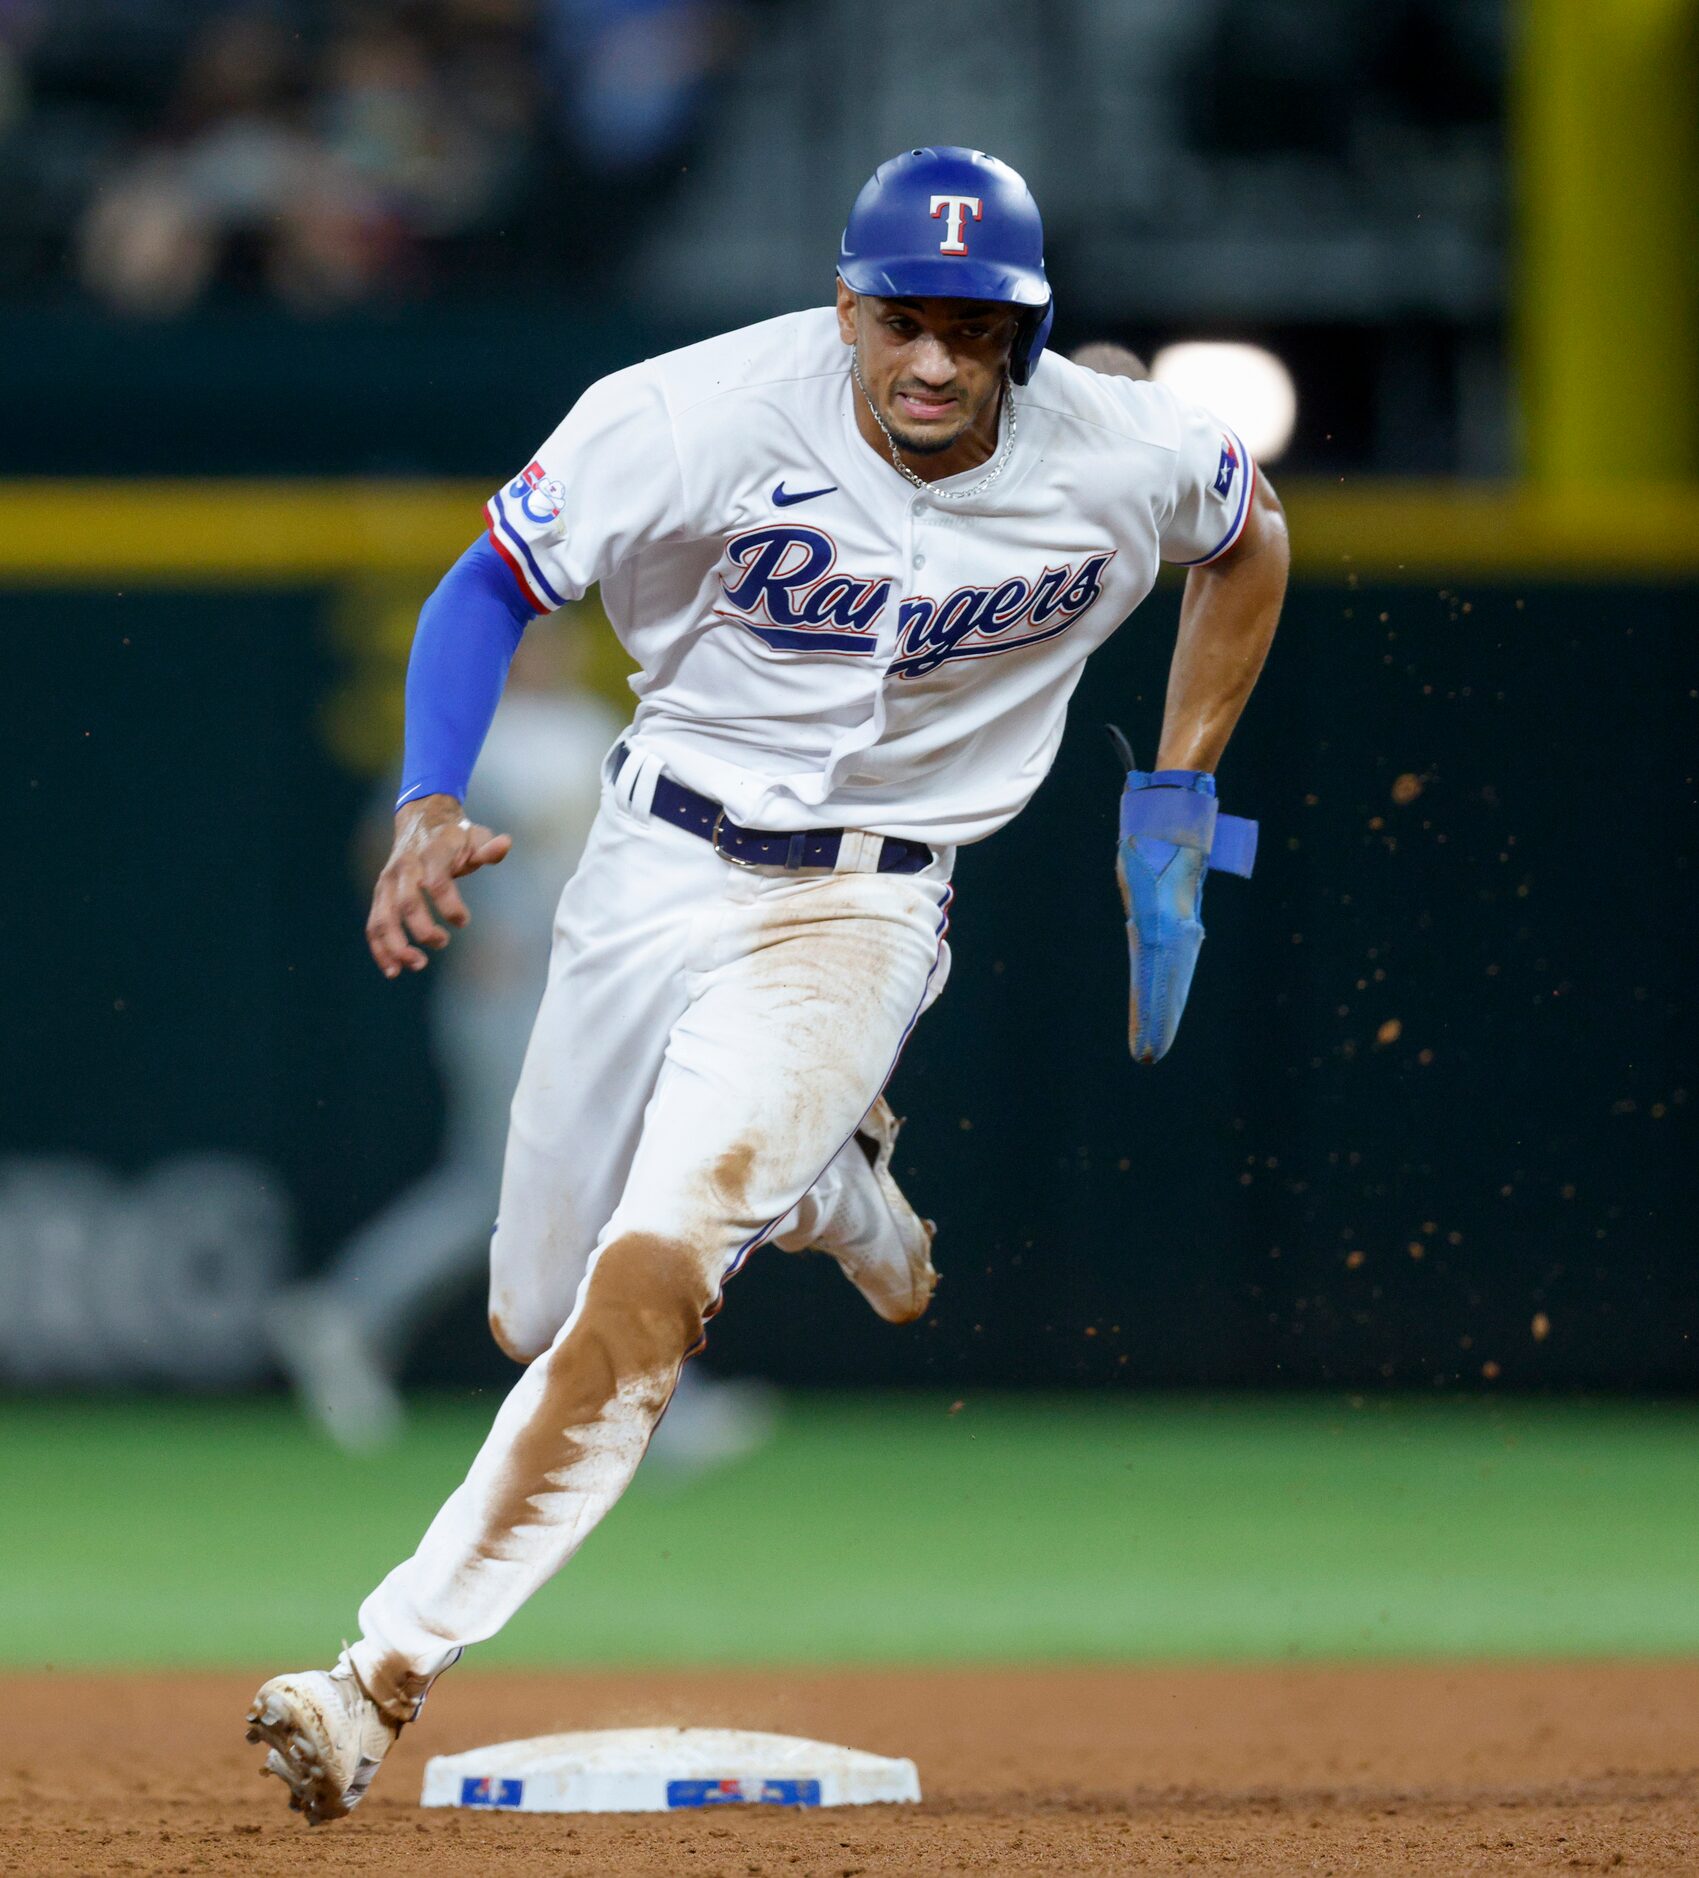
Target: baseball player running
[[859, 554]]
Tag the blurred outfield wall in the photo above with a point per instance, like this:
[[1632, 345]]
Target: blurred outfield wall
[[1429, 1118]]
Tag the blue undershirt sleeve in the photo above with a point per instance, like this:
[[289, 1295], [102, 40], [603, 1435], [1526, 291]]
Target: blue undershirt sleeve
[[468, 632]]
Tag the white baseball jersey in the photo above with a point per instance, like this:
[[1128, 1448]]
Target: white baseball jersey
[[824, 645]]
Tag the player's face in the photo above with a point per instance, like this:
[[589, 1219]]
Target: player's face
[[931, 367]]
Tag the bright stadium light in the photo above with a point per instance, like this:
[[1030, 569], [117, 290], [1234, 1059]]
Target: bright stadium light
[[1244, 385]]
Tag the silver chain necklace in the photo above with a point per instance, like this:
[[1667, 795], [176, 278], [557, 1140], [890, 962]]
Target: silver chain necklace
[[931, 489]]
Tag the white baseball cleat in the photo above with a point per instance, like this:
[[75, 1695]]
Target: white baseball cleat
[[899, 1295], [327, 1739], [884, 1248]]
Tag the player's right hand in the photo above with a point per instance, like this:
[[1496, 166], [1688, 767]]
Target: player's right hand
[[435, 845]]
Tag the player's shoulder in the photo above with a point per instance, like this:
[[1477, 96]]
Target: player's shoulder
[[793, 349], [1134, 410]]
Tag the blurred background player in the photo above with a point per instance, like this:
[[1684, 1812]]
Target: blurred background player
[[343, 1336]]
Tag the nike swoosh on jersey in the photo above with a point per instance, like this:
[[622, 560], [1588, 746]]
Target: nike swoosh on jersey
[[783, 501]]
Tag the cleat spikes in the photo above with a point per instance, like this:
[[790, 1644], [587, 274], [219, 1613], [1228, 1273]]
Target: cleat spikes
[[324, 1738]]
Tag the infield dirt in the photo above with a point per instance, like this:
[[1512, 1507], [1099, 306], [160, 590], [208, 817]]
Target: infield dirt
[[1559, 1768]]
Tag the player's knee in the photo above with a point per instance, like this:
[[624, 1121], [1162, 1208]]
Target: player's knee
[[524, 1341], [647, 1300]]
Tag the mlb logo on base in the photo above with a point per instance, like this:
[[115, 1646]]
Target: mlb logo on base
[[484, 1791], [743, 1792]]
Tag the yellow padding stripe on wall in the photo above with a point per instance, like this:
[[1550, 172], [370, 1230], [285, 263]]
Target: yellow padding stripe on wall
[[244, 533], [236, 533]]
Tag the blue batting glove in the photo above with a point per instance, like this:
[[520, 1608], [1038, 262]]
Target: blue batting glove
[[1171, 834]]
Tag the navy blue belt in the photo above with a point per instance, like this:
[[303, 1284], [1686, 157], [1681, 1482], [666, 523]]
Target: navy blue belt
[[749, 847]]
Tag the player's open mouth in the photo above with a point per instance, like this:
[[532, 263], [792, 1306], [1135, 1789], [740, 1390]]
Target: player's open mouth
[[921, 407]]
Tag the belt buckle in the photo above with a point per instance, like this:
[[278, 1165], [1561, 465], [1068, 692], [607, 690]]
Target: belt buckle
[[714, 842]]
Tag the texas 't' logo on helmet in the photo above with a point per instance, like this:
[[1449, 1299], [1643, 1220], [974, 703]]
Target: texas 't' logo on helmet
[[955, 210]]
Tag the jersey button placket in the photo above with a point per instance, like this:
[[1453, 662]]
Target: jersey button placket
[[915, 518], [901, 535], [894, 529], [922, 513]]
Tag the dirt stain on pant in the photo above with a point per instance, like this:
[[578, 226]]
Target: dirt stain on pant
[[395, 1687], [731, 1178], [644, 1309]]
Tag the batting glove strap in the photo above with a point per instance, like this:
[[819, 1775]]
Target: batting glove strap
[[1179, 806]]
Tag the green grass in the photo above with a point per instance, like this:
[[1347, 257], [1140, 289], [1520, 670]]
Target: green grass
[[890, 1529]]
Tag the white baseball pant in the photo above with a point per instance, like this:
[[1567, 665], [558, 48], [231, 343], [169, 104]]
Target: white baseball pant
[[709, 1040]]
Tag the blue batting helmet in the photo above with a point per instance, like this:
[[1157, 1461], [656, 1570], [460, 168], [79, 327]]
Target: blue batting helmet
[[952, 223]]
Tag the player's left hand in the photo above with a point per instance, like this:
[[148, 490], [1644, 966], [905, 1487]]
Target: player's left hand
[[435, 845], [1170, 833]]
